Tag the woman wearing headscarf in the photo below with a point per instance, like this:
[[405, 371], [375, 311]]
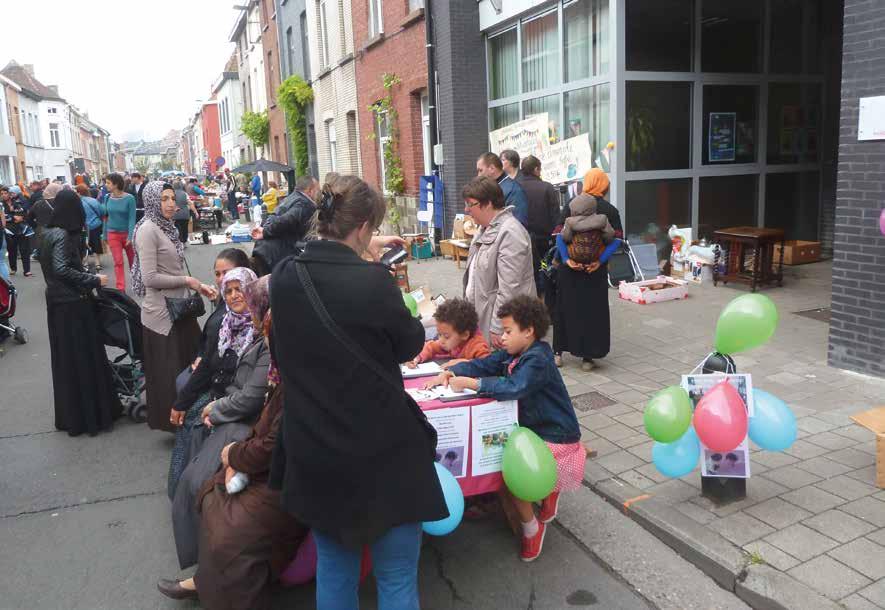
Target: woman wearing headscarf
[[229, 417], [159, 272], [84, 396], [581, 323]]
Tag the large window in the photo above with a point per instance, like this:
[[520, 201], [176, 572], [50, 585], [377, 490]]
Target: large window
[[654, 206], [502, 116], [54, 141], [540, 53], [731, 36], [587, 111], [550, 105], [730, 126], [659, 35], [585, 39], [658, 125], [792, 203], [796, 33], [793, 122], [503, 65], [376, 20], [727, 201], [323, 33]]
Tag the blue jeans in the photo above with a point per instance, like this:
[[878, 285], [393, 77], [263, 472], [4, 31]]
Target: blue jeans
[[394, 563], [4, 266]]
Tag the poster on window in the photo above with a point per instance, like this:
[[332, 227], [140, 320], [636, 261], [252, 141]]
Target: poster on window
[[567, 160], [722, 136], [527, 137]]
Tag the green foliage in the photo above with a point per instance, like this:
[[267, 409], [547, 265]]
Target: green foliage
[[294, 94], [641, 134], [142, 166], [393, 165], [256, 127]]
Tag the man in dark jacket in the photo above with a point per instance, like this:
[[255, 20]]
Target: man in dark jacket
[[283, 231], [489, 165], [136, 188], [543, 200]]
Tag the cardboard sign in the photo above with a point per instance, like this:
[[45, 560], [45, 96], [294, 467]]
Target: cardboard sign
[[527, 137], [567, 160]]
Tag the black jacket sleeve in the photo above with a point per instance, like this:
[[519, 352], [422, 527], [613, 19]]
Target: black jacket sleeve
[[200, 381], [292, 223], [406, 333], [552, 202], [68, 273]]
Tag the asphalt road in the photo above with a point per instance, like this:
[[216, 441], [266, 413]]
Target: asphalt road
[[85, 522]]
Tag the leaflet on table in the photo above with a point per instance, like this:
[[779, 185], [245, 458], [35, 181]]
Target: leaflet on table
[[425, 369], [491, 427], [443, 393], [452, 435]]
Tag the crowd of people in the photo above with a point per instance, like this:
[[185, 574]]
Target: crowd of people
[[288, 406]]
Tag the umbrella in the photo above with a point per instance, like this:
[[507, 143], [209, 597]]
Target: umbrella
[[264, 166]]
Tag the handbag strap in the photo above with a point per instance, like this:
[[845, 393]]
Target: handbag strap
[[354, 348]]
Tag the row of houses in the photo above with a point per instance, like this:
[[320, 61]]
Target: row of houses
[[42, 135]]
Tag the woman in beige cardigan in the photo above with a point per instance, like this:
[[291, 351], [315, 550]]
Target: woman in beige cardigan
[[499, 265], [159, 272]]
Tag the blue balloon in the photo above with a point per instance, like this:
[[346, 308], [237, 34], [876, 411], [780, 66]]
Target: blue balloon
[[773, 425], [678, 458], [454, 501]]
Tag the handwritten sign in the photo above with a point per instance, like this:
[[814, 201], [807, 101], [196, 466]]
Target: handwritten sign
[[871, 118], [527, 137], [567, 160]]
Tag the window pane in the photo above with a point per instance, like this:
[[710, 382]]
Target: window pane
[[587, 111], [502, 116], [792, 204], [658, 125], [731, 36], [503, 66], [540, 53], [793, 122], [726, 201], [550, 105], [653, 206], [734, 127], [585, 39], [659, 35], [796, 36]]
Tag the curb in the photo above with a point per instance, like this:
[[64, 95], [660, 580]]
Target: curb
[[759, 586]]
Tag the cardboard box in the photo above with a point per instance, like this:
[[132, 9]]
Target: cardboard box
[[663, 288], [798, 252], [874, 420]]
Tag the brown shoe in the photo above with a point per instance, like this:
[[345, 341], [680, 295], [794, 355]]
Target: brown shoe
[[173, 589]]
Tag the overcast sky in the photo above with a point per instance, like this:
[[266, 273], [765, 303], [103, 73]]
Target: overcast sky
[[137, 66]]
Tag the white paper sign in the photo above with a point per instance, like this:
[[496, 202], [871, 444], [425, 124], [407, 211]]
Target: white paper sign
[[452, 434], [527, 137], [734, 464], [567, 160], [425, 369], [492, 425], [871, 118]]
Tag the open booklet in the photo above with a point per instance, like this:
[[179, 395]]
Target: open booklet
[[425, 369], [443, 393]]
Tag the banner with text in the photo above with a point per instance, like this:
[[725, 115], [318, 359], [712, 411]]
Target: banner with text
[[567, 160], [527, 137]]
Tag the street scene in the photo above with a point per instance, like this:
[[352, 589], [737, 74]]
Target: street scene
[[399, 305]]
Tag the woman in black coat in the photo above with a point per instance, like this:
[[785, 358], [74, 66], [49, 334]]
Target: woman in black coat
[[356, 461], [85, 400]]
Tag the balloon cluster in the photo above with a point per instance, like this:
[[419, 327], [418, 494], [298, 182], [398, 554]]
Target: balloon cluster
[[720, 420]]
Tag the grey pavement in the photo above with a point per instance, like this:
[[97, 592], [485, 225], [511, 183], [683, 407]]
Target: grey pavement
[[85, 522]]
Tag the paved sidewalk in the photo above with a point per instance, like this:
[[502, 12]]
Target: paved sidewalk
[[812, 512]]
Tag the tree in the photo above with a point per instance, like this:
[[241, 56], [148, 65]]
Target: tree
[[142, 165], [256, 127], [294, 94]]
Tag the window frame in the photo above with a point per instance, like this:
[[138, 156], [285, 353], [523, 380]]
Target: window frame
[[332, 144], [376, 18]]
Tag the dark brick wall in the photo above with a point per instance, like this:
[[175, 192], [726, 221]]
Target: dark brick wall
[[463, 107], [857, 328]]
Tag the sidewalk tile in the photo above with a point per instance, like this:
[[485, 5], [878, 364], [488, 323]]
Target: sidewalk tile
[[878, 536], [632, 441], [577, 389], [856, 602], [594, 420], [846, 487], [635, 479], [693, 511], [875, 593], [839, 526], [603, 447], [804, 450], [630, 397], [814, 425], [594, 379], [777, 513], [623, 377], [813, 499], [772, 555], [830, 577], [642, 368], [615, 432], [852, 457], [774, 459], [615, 409], [831, 441], [673, 491], [630, 419], [740, 528], [759, 489], [863, 555], [662, 376], [865, 475], [792, 477], [650, 471], [802, 542], [823, 467], [840, 420], [785, 378], [619, 461], [594, 473], [869, 509], [856, 432], [643, 450]]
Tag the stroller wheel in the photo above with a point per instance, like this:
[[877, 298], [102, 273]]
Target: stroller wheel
[[138, 413], [21, 335]]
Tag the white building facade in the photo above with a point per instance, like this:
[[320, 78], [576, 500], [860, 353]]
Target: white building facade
[[230, 111], [8, 154]]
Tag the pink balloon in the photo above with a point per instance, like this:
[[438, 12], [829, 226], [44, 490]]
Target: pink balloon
[[720, 419], [882, 221]]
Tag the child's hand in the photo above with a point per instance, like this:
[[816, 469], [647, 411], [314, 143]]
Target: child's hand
[[452, 363], [441, 379], [459, 384], [412, 364]]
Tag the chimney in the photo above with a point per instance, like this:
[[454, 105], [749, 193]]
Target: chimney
[[29, 68], [54, 89]]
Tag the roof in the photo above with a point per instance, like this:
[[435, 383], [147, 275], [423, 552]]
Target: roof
[[28, 82]]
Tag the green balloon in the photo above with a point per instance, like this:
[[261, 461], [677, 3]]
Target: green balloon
[[411, 304], [668, 414], [528, 465], [747, 322]]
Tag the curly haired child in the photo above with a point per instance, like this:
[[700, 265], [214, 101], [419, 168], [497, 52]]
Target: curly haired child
[[459, 338]]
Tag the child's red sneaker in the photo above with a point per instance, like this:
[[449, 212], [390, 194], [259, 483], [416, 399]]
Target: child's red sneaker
[[531, 547], [549, 508]]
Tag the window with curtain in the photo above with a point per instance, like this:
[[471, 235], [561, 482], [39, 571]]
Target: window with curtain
[[333, 146], [503, 65], [53, 135], [550, 105], [502, 116], [585, 39], [540, 53], [323, 33], [376, 22], [587, 111]]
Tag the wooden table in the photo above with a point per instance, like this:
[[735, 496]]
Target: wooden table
[[737, 242]]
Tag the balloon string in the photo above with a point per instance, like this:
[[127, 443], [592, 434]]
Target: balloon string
[[701, 363], [729, 366]]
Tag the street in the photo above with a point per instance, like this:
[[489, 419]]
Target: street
[[85, 522]]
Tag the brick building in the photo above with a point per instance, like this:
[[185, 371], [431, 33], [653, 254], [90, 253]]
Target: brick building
[[390, 38], [276, 141], [211, 137]]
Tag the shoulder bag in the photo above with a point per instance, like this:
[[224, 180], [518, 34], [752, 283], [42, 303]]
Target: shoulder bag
[[358, 352], [182, 308]]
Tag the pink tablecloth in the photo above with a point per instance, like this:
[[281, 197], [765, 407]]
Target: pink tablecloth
[[470, 485]]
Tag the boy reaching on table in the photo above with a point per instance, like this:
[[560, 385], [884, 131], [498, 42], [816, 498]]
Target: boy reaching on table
[[459, 338], [525, 371]]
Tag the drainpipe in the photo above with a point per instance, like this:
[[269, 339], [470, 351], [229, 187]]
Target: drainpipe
[[438, 232]]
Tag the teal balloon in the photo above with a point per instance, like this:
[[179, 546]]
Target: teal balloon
[[668, 414], [528, 466], [773, 425], [454, 502], [678, 458], [411, 304], [746, 322]]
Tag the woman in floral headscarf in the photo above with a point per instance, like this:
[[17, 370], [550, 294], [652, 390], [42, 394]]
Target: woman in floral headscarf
[[159, 272]]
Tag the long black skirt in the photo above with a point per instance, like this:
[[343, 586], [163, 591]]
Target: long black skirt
[[82, 386], [165, 356], [581, 323]]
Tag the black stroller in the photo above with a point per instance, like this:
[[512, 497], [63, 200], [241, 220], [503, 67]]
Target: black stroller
[[119, 322], [7, 311]]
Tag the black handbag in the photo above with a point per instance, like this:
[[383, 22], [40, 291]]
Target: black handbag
[[182, 308], [358, 352]]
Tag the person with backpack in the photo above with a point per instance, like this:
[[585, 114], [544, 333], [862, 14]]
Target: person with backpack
[[95, 214]]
